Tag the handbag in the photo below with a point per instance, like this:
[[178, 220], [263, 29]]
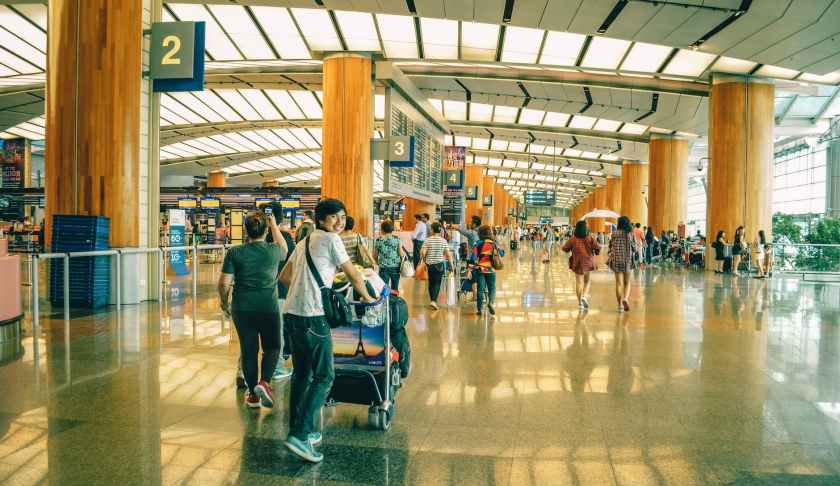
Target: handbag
[[337, 311], [421, 272], [451, 291], [406, 268]]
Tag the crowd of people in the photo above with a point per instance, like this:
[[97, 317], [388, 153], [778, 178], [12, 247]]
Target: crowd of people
[[271, 286]]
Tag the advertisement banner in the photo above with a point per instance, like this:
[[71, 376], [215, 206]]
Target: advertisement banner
[[454, 159], [177, 232], [359, 345]]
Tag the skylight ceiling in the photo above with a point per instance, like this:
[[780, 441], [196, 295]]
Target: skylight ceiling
[[234, 33]]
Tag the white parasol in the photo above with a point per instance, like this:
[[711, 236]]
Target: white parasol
[[600, 213]]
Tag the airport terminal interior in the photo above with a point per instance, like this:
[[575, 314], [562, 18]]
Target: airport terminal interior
[[689, 147]]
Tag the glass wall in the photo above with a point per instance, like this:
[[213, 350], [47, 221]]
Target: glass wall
[[696, 206], [799, 177]]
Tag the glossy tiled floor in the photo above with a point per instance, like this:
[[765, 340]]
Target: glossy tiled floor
[[708, 380]]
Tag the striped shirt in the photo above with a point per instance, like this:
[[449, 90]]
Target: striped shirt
[[435, 246]]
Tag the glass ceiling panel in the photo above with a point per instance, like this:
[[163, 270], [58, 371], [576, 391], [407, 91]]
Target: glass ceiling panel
[[283, 100], [479, 41], [455, 110], [317, 28], [504, 114], [211, 99], [235, 99], [604, 53], [242, 30], [217, 43], [261, 104], [278, 26], [22, 49], [633, 128], [358, 30], [308, 103], [777, 72], [645, 57], [808, 106], [522, 45], [531, 117], [481, 112], [440, 38], [554, 119], [733, 65], [187, 99], [398, 36], [172, 105], [481, 143], [689, 63], [18, 25], [14, 62], [561, 48], [584, 122]]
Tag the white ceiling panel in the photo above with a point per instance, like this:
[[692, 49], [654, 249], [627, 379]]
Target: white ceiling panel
[[662, 24], [591, 15], [528, 12], [558, 14], [633, 18], [430, 8], [488, 10], [694, 27], [797, 15]]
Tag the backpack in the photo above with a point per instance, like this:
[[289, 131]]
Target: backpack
[[399, 312], [497, 262]]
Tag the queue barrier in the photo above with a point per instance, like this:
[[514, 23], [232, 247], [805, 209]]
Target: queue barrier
[[118, 254]]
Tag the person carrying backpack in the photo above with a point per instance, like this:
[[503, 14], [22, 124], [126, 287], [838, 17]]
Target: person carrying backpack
[[484, 252], [305, 315]]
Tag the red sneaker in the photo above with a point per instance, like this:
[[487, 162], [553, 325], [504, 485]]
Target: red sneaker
[[252, 400], [263, 389]]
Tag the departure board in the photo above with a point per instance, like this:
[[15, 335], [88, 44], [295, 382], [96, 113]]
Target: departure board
[[424, 181], [539, 198]]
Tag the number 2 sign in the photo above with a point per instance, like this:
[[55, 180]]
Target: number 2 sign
[[176, 58]]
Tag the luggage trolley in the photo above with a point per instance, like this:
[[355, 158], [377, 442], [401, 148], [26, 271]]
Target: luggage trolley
[[366, 365]]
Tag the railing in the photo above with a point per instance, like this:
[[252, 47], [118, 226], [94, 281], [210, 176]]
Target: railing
[[116, 253], [807, 259]]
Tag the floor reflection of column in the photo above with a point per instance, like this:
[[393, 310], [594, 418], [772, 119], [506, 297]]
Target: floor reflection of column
[[732, 383], [105, 422]]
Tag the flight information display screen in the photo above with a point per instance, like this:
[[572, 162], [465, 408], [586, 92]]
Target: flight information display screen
[[540, 198]]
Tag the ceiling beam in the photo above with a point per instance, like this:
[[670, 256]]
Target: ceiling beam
[[179, 133], [215, 162], [536, 130], [549, 75]]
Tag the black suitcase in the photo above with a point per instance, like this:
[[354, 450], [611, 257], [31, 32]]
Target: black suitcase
[[514, 245]]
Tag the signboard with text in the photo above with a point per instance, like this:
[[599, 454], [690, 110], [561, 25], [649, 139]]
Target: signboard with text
[[454, 159], [177, 237], [176, 58]]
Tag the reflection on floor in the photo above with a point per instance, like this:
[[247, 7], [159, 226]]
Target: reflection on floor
[[708, 380]]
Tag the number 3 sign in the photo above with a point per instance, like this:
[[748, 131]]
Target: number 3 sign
[[176, 60]]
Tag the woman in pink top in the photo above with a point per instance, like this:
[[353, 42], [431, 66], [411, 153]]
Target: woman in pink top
[[583, 248]]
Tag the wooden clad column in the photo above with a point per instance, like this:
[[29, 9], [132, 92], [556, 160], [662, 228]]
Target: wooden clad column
[[93, 113], [487, 212], [473, 175], [216, 178], [416, 206], [499, 205], [741, 157], [347, 171], [634, 179], [614, 197], [668, 183], [599, 201]]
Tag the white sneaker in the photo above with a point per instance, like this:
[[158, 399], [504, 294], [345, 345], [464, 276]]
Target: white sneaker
[[620, 308], [584, 302]]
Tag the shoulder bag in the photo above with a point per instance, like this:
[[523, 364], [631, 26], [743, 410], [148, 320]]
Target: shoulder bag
[[406, 265], [336, 309]]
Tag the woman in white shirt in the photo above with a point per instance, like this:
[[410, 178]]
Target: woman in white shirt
[[312, 350], [435, 253]]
